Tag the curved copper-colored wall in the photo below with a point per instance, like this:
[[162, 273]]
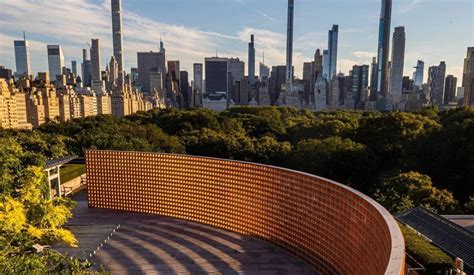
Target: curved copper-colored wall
[[334, 228]]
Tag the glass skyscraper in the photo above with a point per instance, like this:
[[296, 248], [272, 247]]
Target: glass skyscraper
[[251, 64], [418, 75], [22, 57], [383, 47], [55, 61], [332, 51]]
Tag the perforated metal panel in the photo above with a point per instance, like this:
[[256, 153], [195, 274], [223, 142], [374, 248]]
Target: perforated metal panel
[[334, 228]]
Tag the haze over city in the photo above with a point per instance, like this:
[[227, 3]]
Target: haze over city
[[436, 31]]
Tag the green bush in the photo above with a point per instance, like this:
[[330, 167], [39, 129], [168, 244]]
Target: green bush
[[431, 257]]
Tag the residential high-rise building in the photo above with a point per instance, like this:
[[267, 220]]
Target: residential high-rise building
[[55, 61], [251, 61], [326, 66], [360, 82], [264, 72], [383, 47], [148, 62], [332, 51], [398, 62], [289, 46], [186, 92], [22, 57], [373, 80], [198, 77], [468, 78], [450, 89], [114, 73], [418, 75], [317, 65], [236, 69], [86, 69], [173, 82], [117, 34], [307, 71], [217, 75], [74, 67], [277, 83], [436, 81], [96, 78]]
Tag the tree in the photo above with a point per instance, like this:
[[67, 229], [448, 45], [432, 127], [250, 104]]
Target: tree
[[339, 159], [469, 206], [389, 134], [412, 189]]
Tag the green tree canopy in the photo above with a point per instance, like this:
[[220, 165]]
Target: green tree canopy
[[413, 189]]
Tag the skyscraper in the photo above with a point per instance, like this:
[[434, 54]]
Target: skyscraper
[[22, 57], [373, 80], [318, 65], [436, 81], [360, 81], [468, 78], [251, 61], [418, 75], [450, 89], [383, 47], [86, 69], [74, 67], [148, 62], [118, 37], [96, 79], [55, 61], [236, 68], [216, 75], [332, 51], [289, 46], [264, 72], [326, 62], [198, 77], [277, 81], [398, 62]]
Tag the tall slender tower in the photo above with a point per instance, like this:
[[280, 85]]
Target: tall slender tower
[[118, 37], [289, 46], [332, 51], [468, 78], [251, 69], [22, 57], [398, 62], [55, 61], [418, 75], [383, 47], [96, 79]]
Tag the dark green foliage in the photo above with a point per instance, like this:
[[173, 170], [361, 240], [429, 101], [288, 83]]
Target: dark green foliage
[[431, 257], [339, 159]]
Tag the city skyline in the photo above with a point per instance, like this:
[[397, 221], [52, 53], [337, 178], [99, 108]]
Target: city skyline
[[193, 44]]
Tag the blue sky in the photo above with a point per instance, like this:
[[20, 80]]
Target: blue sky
[[193, 29]]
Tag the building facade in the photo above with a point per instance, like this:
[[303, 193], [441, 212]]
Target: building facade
[[383, 47], [149, 62], [468, 78], [398, 62], [333, 40], [22, 58], [251, 60], [55, 61]]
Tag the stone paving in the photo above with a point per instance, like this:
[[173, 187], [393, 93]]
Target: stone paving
[[133, 243]]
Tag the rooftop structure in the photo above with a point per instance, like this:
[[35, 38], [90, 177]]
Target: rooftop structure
[[453, 239], [333, 228]]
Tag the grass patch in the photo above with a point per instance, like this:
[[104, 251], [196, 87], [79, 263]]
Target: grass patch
[[71, 171]]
